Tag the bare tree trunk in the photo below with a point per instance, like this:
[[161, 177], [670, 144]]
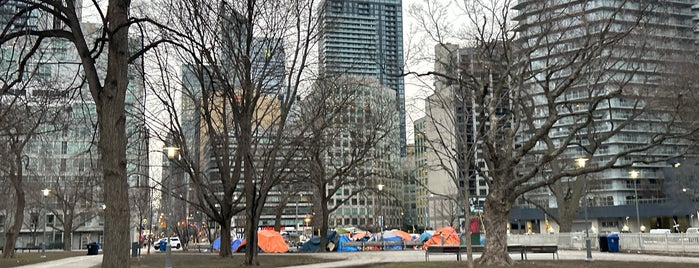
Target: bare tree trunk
[[496, 208], [278, 218], [566, 214], [12, 232], [68, 233], [111, 114], [225, 238]]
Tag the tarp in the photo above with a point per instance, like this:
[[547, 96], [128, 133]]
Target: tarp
[[426, 236], [269, 242], [313, 244], [403, 235], [342, 230], [361, 235], [392, 239], [341, 248], [446, 234], [216, 245]]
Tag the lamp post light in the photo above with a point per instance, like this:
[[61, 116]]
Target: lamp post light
[[307, 220], [46, 193], [172, 153], [381, 222], [580, 162], [634, 175]]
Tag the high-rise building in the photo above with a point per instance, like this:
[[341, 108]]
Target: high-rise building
[[641, 61], [365, 38]]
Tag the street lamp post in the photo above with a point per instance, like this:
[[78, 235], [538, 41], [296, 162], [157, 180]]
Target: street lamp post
[[580, 162], [46, 193], [634, 175], [171, 154]]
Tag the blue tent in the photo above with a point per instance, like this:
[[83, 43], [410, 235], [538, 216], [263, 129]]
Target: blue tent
[[341, 248], [312, 245], [390, 239], [425, 236], [216, 245]]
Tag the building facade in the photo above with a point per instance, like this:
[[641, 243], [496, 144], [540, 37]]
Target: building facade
[[365, 38], [645, 59]]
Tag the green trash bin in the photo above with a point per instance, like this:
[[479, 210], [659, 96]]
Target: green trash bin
[[476, 239]]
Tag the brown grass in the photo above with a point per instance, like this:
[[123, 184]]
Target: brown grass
[[538, 264], [34, 257]]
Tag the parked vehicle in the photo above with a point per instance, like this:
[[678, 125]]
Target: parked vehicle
[[174, 243]]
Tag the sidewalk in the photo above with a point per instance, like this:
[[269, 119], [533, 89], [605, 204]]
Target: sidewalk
[[352, 259], [73, 262]]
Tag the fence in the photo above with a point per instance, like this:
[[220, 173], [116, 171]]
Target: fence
[[672, 242]]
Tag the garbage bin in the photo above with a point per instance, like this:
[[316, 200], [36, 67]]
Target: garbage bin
[[162, 245], [475, 239], [603, 244], [134, 249], [613, 242], [93, 248]]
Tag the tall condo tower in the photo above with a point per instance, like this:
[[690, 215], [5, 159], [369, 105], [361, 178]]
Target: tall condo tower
[[365, 38]]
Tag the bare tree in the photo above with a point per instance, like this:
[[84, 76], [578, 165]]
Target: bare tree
[[548, 97], [348, 143], [242, 64]]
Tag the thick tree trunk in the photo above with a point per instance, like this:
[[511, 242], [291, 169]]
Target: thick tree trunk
[[225, 238], [496, 211], [565, 218], [68, 232], [251, 240], [12, 232], [112, 140]]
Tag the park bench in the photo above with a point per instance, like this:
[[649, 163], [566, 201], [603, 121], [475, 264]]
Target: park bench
[[203, 246], [522, 249], [28, 247], [553, 249]]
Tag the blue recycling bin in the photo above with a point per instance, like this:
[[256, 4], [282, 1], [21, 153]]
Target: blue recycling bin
[[613, 242], [162, 245]]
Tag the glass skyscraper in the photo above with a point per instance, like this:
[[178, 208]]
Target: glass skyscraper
[[365, 38]]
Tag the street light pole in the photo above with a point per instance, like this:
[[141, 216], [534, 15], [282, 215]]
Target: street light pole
[[588, 247], [171, 154], [46, 193], [634, 175]]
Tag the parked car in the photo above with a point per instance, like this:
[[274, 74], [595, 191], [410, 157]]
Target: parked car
[[174, 243]]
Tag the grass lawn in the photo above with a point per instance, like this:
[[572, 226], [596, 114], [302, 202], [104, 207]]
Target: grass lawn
[[34, 257], [194, 260], [538, 264]]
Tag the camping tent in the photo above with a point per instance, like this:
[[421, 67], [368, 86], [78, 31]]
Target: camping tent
[[426, 235], [443, 236], [340, 248], [361, 235], [403, 235], [313, 244], [269, 242], [216, 245]]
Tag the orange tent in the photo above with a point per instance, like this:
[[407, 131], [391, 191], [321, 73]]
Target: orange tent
[[448, 234], [269, 241], [403, 235]]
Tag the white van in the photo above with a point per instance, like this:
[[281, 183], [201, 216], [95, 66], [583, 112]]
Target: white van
[[693, 230], [660, 231]]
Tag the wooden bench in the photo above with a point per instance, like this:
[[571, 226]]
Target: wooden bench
[[553, 249], [521, 249], [205, 247], [28, 248]]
